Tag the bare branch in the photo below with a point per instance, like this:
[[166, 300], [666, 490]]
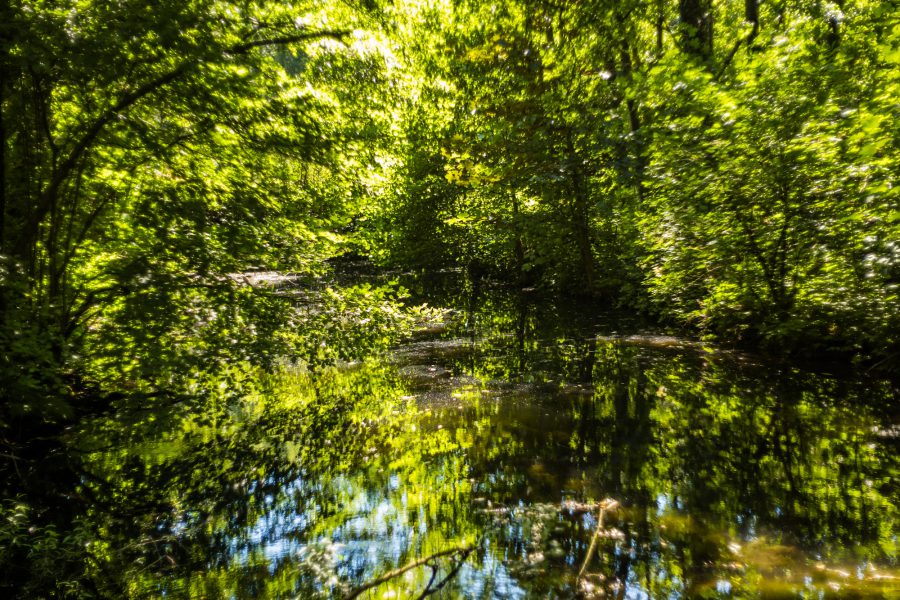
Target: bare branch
[[433, 590], [607, 505], [464, 551]]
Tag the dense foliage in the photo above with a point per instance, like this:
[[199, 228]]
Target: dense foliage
[[730, 166], [178, 178], [152, 153]]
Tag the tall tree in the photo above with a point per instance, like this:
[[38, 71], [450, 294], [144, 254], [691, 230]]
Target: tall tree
[[154, 150]]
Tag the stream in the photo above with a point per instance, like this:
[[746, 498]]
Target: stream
[[498, 434]]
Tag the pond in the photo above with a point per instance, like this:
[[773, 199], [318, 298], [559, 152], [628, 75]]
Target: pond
[[540, 450]]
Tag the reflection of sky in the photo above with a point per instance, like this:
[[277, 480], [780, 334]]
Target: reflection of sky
[[492, 574], [378, 520], [274, 535], [378, 532]]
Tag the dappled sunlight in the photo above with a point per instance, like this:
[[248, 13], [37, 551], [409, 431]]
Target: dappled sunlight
[[728, 483], [378, 299]]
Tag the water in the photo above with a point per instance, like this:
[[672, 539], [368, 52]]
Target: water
[[498, 434]]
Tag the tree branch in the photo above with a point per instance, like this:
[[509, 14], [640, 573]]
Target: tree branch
[[433, 590], [464, 550], [607, 505], [339, 34], [125, 102], [734, 50], [66, 167]]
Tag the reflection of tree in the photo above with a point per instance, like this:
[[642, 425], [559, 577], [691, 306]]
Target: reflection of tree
[[699, 447], [752, 457], [725, 472], [175, 489]]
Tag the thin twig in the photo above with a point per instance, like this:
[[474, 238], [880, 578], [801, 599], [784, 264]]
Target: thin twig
[[15, 461], [882, 361], [608, 504], [434, 571]]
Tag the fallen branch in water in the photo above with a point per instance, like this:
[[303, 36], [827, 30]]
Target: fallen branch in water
[[463, 553], [608, 504]]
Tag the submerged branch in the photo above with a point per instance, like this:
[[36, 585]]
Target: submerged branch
[[463, 553], [608, 504]]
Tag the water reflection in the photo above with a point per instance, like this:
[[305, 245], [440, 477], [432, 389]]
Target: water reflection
[[503, 431]]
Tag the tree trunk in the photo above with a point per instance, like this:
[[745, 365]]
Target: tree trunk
[[519, 248], [751, 12], [833, 38], [697, 27], [581, 220], [583, 232], [5, 44], [2, 148]]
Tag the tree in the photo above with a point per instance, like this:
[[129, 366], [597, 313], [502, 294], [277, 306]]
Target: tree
[[148, 151], [766, 189]]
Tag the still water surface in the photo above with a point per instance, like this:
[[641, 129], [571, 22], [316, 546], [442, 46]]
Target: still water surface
[[502, 432]]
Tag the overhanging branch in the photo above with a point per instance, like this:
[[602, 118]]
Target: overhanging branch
[[126, 101], [339, 34]]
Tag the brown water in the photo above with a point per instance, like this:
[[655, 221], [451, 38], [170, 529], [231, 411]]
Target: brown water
[[502, 432]]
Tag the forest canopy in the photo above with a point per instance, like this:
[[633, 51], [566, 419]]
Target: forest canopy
[[726, 166]]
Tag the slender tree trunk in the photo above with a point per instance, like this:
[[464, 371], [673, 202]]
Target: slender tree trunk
[[833, 39], [697, 27], [660, 27], [751, 13], [5, 43], [581, 219], [2, 149], [627, 66], [519, 248], [583, 232]]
